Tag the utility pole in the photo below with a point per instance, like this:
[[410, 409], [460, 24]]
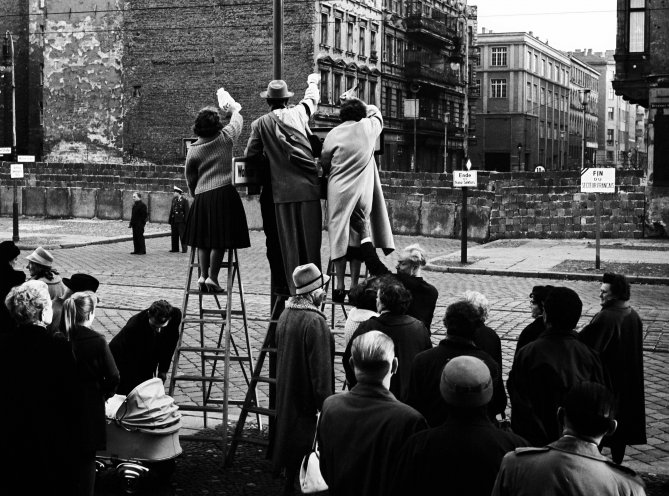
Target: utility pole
[[583, 95], [277, 54], [8, 65]]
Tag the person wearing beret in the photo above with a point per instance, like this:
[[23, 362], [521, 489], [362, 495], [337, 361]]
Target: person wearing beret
[[177, 220], [9, 278], [40, 266]]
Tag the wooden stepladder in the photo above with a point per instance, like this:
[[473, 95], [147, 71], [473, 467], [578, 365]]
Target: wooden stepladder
[[211, 338]]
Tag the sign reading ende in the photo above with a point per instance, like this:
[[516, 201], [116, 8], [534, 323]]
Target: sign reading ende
[[464, 179], [598, 180]]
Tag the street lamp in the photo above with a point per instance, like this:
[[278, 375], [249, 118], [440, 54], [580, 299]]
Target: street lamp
[[583, 98], [520, 149], [446, 117]]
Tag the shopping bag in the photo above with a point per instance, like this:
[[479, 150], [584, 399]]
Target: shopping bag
[[311, 480]]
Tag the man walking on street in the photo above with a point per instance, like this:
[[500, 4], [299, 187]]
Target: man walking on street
[[137, 223], [369, 418], [616, 332], [177, 220]]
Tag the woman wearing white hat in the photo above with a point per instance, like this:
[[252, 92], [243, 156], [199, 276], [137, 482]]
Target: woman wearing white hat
[[40, 266]]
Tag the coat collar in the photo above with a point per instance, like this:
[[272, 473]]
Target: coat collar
[[458, 341], [579, 447], [297, 303], [372, 390]]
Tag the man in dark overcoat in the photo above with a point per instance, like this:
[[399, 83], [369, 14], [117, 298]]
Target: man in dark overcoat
[[137, 222], [143, 349], [461, 455], [290, 199], [616, 332], [545, 369], [177, 220], [304, 373], [368, 418]]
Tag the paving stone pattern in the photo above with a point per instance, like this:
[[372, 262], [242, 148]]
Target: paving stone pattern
[[131, 283]]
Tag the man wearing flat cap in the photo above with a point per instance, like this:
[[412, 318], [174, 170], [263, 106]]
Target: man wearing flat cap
[[290, 198], [462, 455], [304, 371], [177, 220]]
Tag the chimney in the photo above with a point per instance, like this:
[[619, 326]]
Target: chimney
[[531, 33], [483, 30], [589, 51]]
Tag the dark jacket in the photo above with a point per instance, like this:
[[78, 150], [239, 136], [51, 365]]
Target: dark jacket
[[9, 278], [139, 214], [424, 394], [488, 340], [178, 210], [140, 352], [542, 373], [359, 436], [617, 334], [38, 413], [98, 378], [461, 456], [531, 332], [567, 466], [304, 377], [410, 338]]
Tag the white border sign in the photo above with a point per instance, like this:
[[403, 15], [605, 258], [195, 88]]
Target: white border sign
[[595, 180], [26, 158], [5, 150], [465, 179], [16, 171]]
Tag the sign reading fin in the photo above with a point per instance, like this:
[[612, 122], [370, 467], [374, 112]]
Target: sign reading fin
[[596, 180]]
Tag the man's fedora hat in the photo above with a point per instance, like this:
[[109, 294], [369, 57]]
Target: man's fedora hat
[[81, 282], [277, 89], [41, 256], [307, 278], [177, 189]]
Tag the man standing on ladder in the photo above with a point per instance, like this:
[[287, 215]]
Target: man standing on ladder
[[290, 199], [305, 375]]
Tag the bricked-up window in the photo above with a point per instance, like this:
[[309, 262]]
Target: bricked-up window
[[372, 93], [609, 137], [325, 87], [361, 41], [498, 88], [372, 41], [498, 56], [324, 28], [529, 92], [349, 37], [637, 25], [337, 33], [337, 89]]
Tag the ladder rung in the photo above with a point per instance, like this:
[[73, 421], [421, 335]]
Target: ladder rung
[[260, 410], [200, 321], [253, 440], [232, 358], [224, 265], [198, 378], [199, 349], [268, 350], [216, 401], [198, 408], [268, 380], [219, 311]]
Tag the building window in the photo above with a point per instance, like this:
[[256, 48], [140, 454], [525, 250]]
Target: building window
[[542, 129], [372, 41], [389, 101], [388, 52], [498, 88], [637, 25], [399, 44], [498, 56], [350, 82], [325, 87], [349, 37], [550, 98], [372, 92], [543, 67], [529, 92], [550, 70], [543, 96], [337, 89], [324, 29], [400, 105], [535, 64], [361, 41], [609, 113], [612, 94], [362, 88], [528, 61], [337, 33]]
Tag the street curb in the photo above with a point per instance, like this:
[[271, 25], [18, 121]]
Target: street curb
[[566, 276], [107, 241]]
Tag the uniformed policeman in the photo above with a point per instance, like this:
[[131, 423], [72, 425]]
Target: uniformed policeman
[[177, 220], [573, 464]]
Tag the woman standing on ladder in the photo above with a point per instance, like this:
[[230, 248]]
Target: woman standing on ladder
[[216, 221]]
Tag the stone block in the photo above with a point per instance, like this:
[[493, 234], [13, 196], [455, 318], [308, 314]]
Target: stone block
[[33, 201], [7, 200], [109, 204], [57, 202], [438, 220], [404, 216], [478, 221], [83, 202], [159, 204]]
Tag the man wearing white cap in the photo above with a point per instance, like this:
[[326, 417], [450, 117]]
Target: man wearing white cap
[[304, 371], [177, 220], [463, 455], [290, 199]]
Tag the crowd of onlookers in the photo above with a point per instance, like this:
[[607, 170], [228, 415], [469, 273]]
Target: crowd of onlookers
[[59, 372], [424, 419]]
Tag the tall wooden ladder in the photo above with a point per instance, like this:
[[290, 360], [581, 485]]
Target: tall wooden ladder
[[207, 338], [260, 375]]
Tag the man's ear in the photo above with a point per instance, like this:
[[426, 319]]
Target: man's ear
[[394, 365], [613, 425], [560, 417]]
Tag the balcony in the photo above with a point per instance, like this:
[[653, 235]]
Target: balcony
[[431, 27], [419, 66]]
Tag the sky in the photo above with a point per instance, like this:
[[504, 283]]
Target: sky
[[568, 25]]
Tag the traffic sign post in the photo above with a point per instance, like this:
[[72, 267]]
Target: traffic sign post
[[598, 180], [464, 179]]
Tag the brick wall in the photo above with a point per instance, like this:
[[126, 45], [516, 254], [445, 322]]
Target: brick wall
[[505, 205]]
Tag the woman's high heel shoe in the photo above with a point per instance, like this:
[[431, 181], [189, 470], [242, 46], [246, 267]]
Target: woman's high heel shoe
[[201, 284], [212, 287]]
